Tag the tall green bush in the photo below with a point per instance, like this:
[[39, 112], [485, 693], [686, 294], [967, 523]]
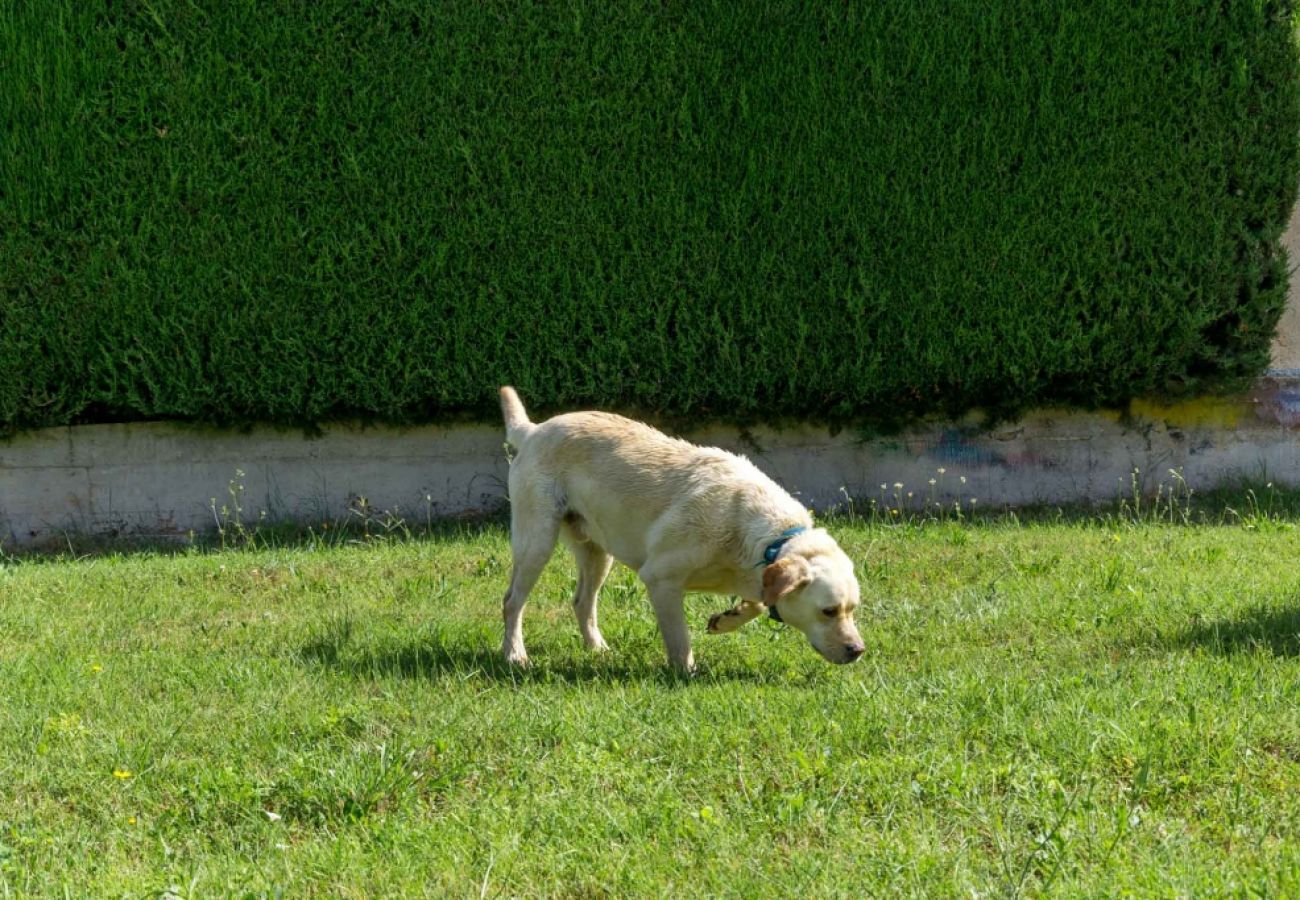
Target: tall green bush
[[295, 211]]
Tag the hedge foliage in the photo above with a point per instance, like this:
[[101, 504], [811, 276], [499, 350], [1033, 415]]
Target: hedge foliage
[[294, 211]]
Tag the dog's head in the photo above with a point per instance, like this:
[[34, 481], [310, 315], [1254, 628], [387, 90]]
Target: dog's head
[[813, 588]]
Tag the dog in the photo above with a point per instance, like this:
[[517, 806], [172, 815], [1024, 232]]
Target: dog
[[683, 517]]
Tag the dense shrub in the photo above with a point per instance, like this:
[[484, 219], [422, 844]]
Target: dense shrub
[[295, 211]]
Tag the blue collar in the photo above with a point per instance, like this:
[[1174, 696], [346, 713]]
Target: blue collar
[[769, 555]]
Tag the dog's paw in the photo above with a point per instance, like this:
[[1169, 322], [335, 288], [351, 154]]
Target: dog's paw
[[594, 641], [517, 658], [724, 622], [683, 669]]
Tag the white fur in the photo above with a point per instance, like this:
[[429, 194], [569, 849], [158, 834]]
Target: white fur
[[685, 518]]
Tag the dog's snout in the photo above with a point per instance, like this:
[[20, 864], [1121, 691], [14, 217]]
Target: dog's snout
[[853, 651]]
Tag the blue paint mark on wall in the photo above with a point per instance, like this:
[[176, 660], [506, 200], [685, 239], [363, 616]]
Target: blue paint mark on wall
[[1279, 401], [952, 447]]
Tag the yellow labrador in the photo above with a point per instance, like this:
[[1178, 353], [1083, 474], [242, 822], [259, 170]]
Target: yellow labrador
[[684, 518]]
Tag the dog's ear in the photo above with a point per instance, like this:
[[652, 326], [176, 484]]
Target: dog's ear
[[784, 576]]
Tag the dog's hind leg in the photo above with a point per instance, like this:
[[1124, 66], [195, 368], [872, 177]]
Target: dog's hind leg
[[533, 532], [593, 566]]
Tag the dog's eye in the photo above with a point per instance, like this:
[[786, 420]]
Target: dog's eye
[[831, 612]]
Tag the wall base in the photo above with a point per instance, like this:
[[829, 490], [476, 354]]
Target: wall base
[[155, 480]]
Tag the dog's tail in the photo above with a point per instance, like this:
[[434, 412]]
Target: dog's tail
[[512, 410]]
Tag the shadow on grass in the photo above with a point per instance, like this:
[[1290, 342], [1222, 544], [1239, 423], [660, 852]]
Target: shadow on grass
[[261, 538], [1260, 508], [436, 656], [1259, 629]]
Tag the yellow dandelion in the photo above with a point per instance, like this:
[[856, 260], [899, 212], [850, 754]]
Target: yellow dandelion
[[130, 820], [96, 668], [122, 773]]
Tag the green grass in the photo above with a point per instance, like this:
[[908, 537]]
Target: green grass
[[1049, 704]]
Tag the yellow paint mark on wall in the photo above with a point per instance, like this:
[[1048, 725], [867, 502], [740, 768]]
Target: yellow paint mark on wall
[[1202, 412]]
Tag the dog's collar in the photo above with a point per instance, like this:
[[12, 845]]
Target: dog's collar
[[769, 555]]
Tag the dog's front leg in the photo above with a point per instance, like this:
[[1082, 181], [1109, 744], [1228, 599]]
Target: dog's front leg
[[667, 596], [742, 612]]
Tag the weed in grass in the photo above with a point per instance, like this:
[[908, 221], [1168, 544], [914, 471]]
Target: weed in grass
[[229, 519], [318, 789], [1261, 515]]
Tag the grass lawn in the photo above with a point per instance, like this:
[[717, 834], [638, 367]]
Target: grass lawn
[[1076, 705]]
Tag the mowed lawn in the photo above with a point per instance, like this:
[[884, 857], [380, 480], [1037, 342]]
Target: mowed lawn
[[1074, 706]]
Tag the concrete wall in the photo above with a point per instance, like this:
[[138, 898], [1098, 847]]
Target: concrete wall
[[162, 480]]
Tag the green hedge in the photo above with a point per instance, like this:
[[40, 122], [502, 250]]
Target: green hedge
[[295, 211]]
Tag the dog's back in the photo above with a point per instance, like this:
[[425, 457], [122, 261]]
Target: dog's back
[[609, 469]]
